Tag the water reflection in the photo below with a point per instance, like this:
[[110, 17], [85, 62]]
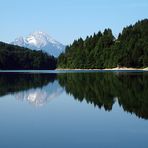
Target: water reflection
[[37, 89], [102, 90], [40, 96]]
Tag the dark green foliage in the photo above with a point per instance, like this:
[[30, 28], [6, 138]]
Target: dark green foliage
[[19, 58], [134, 45], [102, 50]]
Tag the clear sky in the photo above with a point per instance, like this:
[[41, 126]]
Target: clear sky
[[66, 20]]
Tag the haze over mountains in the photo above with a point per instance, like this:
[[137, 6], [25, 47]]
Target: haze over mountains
[[40, 41]]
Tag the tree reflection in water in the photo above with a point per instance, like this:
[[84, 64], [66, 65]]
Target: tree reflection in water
[[99, 89]]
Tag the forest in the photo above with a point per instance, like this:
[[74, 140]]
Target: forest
[[103, 50], [18, 58]]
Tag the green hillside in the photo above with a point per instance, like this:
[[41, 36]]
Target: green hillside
[[19, 58], [103, 50]]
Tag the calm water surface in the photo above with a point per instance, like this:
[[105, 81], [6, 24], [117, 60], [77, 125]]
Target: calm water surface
[[74, 110]]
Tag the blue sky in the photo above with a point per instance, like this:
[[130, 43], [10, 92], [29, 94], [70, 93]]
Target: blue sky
[[66, 20]]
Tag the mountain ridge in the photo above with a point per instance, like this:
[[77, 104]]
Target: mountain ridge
[[40, 41]]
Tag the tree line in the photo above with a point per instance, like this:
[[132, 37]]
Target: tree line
[[18, 58], [103, 50]]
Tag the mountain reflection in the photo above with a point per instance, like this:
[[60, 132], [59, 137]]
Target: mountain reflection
[[37, 89], [102, 90], [40, 96]]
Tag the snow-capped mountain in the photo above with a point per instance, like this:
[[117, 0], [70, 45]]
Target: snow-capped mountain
[[40, 41]]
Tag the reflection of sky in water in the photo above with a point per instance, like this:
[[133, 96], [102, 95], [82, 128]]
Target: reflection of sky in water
[[40, 96], [66, 122]]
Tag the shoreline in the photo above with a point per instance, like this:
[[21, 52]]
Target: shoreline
[[108, 69], [88, 69]]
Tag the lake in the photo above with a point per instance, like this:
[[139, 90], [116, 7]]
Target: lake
[[73, 109]]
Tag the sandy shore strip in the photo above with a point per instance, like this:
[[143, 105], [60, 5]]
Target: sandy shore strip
[[116, 68]]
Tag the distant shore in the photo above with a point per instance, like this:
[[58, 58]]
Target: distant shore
[[116, 68]]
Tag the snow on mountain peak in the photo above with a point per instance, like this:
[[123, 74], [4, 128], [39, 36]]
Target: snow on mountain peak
[[40, 41]]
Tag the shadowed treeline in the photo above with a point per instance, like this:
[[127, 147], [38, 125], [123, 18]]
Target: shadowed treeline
[[13, 57]]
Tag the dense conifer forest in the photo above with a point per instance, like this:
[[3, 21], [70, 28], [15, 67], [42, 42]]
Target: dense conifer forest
[[103, 50], [19, 58]]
